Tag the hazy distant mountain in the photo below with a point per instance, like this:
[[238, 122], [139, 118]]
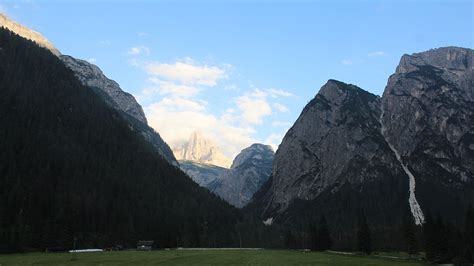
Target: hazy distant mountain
[[249, 171], [201, 150], [206, 175], [351, 151]]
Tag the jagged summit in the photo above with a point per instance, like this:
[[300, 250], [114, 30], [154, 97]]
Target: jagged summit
[[27, 33], [255, 151], [447, 58], [410, 149], [250, 170], [200, 149]]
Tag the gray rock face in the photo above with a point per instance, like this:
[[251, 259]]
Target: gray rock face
[[201, 150], [206, 175], [337, 132], [91, 76], [249, 171], [412, 149], [428, 118]]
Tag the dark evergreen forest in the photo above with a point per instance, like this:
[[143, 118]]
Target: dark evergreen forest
[[71, 167]]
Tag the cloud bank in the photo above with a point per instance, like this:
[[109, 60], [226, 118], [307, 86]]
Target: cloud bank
[[174, 92]]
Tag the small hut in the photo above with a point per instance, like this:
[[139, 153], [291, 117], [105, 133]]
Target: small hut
[[145, 245]]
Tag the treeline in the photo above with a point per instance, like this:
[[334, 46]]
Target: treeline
[[71, 167], [437, 241]]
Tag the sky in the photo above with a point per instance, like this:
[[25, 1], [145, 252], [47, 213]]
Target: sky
[[241, 71]]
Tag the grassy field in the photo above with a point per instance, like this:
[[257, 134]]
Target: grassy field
[[208, 257]]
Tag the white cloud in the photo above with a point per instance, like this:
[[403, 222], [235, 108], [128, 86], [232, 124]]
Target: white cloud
[[274, 93], [178, 111], [92, 60], [142, 34], [137, 50], [278, 93], [346, 62], [169, 88], [187, 72], [376, 53], [182, 105], [176, 124], [280, 107], [255, 105], [253, 109]]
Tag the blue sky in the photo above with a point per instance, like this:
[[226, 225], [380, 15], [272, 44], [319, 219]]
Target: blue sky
[[242, 71]]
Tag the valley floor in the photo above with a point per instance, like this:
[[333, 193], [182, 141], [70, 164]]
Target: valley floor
[[200, 257]]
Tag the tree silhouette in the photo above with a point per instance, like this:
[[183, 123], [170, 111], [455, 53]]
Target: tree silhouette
[[363, 235], [323, 237], [408, 230]]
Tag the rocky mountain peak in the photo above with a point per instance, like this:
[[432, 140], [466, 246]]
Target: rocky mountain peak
[[250, 170], [253, 155], [446, 58], [410, 149], [27, 33], [200, 149], [336, 93]]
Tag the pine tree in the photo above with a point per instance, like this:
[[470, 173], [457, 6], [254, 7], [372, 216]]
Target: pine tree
[[363, 235], [323, 237], [469, 234], [429, 233], [441, 241], [409, 234], [289, 239], [313, 231]]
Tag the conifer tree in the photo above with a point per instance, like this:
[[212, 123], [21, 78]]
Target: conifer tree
[[469, 233], [429, 230], [409, 234], [313, 231], [363, 235], [323, 237]]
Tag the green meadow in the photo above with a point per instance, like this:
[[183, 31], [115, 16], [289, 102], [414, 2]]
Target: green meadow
[[202, 257]]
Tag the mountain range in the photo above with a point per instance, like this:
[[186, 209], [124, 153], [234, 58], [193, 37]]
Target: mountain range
[[352, 152], [80, 160], [203, 161]]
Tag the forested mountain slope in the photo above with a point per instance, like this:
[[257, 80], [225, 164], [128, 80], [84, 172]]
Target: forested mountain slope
[[72, 167]]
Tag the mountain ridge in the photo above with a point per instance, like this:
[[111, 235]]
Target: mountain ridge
[[27, 33], [351, 151]]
